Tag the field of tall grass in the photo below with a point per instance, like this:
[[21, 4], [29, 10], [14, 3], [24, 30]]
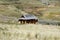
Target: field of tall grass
[[29, 32]]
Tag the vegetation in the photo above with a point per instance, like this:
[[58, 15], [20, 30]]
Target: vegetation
[[29, 31], [11, 10]]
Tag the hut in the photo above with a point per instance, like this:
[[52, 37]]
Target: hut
[[28, 18]]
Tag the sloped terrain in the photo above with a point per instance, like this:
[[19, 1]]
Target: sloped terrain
[[11, 10]]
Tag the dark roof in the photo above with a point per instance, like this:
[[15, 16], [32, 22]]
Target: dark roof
[[29, 16]]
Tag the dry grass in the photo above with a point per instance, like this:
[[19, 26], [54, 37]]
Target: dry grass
[[29, 32]]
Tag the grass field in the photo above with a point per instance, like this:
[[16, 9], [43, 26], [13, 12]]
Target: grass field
[[11, 30], [29, 32]]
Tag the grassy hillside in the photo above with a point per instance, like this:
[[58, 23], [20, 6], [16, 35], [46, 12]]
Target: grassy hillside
[[52, 13], [11, 10], [29, 32]]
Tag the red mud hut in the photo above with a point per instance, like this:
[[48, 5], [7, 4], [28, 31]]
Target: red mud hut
[[28, 18]]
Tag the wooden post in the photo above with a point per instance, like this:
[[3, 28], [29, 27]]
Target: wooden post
[[30, 21], [21, 21], [27, 21], [34, 22], [24, 21]]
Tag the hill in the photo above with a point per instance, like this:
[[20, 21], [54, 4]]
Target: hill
[[11, 10]]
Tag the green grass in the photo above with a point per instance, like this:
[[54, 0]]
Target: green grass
[[16, 10]]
